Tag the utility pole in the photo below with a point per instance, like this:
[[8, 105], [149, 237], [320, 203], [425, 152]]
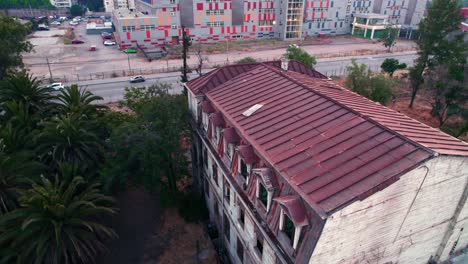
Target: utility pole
[[129, 68], [227, 51], [185, 46], [50, 71]]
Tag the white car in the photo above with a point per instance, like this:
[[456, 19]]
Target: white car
[[56, 23], [137, 79], [109, 43], [73, 23], [56, 86]]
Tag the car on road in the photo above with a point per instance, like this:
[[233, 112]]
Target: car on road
[[73, 23], [56, 23], [137, 79], [109, 43], [56, 86], [106, 35], [129, 50], [77, 41]]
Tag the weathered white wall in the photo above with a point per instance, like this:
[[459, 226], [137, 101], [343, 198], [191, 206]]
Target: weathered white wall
[[375, 230]]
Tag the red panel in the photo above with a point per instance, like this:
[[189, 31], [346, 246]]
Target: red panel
[[187, 31], [164, 9], [312, 4], [248, 16], [242, 29], [200, 6], [255, 5], [248, 5], [313, 14], [178, 7], [225, 6], [216, 6], [234, 30], [321, 4], [228, 29], [254, 28], [259, 17], [260, 5], [246, 19], [274, 16], [230, 5], [128, 35], [261, 28], [222, 30], [328, 3], [321, 14], [307, 15], [211, 31], [166, 33], [210, 6], [180, 32], [148, 34]]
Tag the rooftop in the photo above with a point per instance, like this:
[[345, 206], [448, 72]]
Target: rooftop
[[372, 15], [126, 13], [332, 145]]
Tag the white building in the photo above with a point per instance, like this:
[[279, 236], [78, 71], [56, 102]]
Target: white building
[[63, 3], [110, 5]]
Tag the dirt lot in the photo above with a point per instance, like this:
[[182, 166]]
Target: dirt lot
[[75, 62]]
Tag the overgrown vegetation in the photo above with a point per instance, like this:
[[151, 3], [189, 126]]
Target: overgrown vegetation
[[12, 43], [369, 84], [246, 60], [296, 53], [391, 65]]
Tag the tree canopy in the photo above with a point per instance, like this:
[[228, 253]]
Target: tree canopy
[[390, 65], [390, 36], [12, 44], [296, 53]]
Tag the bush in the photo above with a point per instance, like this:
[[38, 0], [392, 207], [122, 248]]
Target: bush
[[296, 53], [246, 60], [66, 41]]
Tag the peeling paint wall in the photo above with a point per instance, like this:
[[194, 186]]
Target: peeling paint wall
[[404, 223]]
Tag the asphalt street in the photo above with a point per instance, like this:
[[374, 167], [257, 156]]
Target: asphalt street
[[112, 90]]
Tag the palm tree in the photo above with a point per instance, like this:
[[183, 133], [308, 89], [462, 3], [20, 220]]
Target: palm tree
[[69, 139], [26, 90], [16, 171], [57, 223], [74, 100]]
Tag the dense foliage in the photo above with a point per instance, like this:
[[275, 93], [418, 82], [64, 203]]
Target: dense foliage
[[76, 10], [390, 36], [12, 44], [369, 84], [4, 4], [390, 65], [246, 60], [296, 53]]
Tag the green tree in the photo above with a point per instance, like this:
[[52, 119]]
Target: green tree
[[16, 171], [439, 42], [78, 101], [368, 84], [57, 223], [246, 60], [25, 90], [137, 96], [390, 36], [296, 53], [72, 140], [390, 65], [76, 10], [12, 44]]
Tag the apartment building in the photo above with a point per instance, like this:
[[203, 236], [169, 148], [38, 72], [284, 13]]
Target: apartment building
[[222, 20], [296, 169], [111, 5], [63, 3]]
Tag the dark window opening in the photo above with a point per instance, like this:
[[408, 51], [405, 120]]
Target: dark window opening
[[241, 216], [215, 173], [240, 250], [205, 157], [263, 195], [227, 192], [289, 228], [243, 168], [227, 227], [207, 188], [259, 246]]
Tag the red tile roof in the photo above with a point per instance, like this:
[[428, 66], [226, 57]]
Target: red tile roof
[[207, 108], [221, 75], [330, 144]]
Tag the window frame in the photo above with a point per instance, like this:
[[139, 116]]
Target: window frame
[[294, 241], [214, 173]]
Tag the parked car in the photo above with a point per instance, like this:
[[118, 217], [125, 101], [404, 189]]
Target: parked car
[[77, 41], [73, 23], [137, 79], [129, 50], [56, 23], [56, 86], [92, 48], [293, 46], [42, 27], [109, 43]]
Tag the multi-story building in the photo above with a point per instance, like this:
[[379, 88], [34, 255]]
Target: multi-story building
[[221, 20], [63, 3], [296, 169], [110, 5]]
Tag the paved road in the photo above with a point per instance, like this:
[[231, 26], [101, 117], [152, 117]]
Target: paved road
[[112, 89]]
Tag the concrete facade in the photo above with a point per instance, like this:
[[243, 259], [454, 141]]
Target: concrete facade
[[63, 3], [111, 5]]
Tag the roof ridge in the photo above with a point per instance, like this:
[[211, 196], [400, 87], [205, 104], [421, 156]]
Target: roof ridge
[[367, 118]]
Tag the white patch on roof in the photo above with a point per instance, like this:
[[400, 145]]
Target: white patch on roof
[[252, 110]]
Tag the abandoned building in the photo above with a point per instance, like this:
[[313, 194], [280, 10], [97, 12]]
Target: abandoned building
[[296, 169]]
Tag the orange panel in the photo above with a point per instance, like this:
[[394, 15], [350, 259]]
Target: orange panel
[[136, 22], [126, 22], [147, 21], [198, 19]]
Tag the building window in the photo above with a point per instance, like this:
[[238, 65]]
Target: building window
[[128, 28], [241, 216], [174, 26], [173, 14], [207, 188], [205, 157], [215, 207], [215, 174], [243, 169], [205, 121], [215, 24], [147, 27], [227, 227], [259, 245], [263, 195], [288, 227], [214, 1], [341, 24], [228, 149], [240, 250], [172, 1], [227, 192], [215, 12], [331, 4]]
